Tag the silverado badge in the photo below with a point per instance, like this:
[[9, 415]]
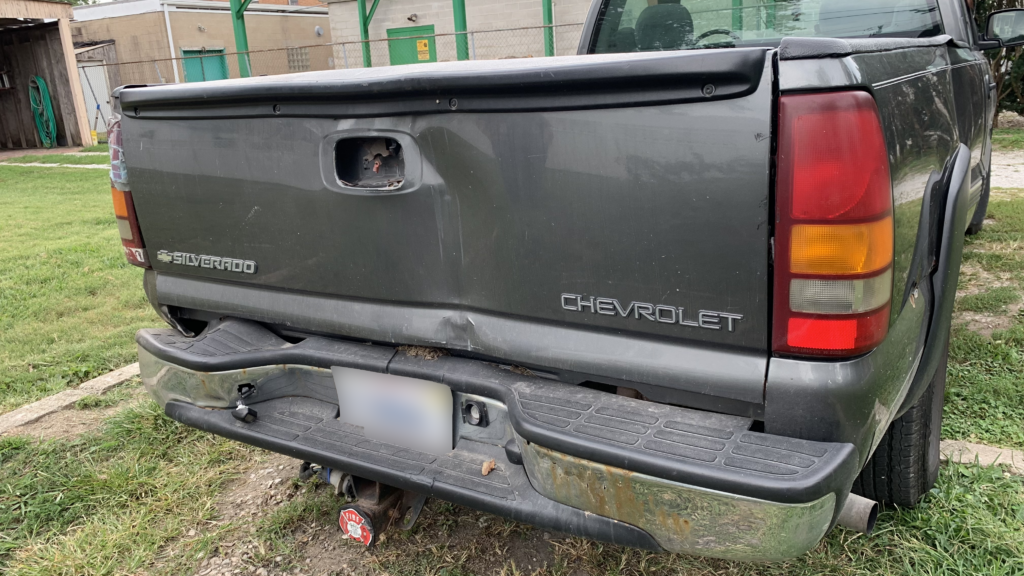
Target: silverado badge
[[203, 261]]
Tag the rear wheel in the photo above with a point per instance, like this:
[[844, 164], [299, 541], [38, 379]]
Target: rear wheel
[[906, 463], [978, 221]]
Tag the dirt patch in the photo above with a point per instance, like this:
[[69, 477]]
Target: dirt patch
[[521, 370], [423, 352], [1005, 194], [72, 422], [37, 152], [463, 540], [1010, 120], [1007, 169], [974, 279], [446, 538], [1011, 247], [987, 324], [248, 501]]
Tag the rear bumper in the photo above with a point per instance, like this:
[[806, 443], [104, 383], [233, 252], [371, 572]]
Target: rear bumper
[[593, 464]]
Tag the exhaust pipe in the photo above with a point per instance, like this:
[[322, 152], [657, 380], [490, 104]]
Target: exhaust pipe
[[859, 514]]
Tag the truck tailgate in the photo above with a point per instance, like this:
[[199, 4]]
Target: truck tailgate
[[624, 194]]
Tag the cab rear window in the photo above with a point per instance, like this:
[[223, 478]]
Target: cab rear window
[[652, 25]]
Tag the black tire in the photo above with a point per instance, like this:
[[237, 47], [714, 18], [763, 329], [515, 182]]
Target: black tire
[[978, 221], [905, 465]]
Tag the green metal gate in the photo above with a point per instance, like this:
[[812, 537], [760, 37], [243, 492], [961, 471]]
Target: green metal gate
[[204, 64], [405, 50]]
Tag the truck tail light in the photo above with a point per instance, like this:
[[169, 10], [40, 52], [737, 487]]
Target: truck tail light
[[834, 233], [128, 227], [124, 206]]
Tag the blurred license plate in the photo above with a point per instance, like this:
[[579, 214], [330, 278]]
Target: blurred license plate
[[402, 411]]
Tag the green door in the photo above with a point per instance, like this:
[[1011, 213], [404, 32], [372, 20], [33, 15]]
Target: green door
[[206, 64], [406, 50]]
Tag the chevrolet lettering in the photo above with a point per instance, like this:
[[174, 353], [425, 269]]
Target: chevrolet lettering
[[706, 319]]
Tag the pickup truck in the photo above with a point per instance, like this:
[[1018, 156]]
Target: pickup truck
[[689, 290]]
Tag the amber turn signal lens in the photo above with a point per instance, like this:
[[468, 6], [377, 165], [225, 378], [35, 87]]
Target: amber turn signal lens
[[841, 249], [120, 205]]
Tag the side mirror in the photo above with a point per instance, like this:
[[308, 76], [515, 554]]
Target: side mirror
[[1006, 27]]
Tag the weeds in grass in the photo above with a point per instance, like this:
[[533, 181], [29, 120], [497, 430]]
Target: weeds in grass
[[107, 502], [985, 382], [984, 395], [993, 301]]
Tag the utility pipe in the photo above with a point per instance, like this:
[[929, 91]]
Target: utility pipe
[[364, 29], [461, 41], [241, 38], [170, 44], [549, 32]]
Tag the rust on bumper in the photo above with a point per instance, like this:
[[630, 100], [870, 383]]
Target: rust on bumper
[[681, 518]]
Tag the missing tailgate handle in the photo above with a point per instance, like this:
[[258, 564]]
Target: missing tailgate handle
[[369, 163]]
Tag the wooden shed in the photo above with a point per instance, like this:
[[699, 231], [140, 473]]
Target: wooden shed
[[35, 40]]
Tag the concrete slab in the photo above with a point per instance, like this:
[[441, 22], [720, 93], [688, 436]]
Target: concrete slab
[[39, 165], [62, 400], [14, 153], [968, 453]]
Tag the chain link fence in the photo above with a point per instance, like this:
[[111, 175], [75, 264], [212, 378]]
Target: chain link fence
[[477, 45]]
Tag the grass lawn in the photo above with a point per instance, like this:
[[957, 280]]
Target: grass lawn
[[69, 301], [985, 387], [117, 501], [96, 148]]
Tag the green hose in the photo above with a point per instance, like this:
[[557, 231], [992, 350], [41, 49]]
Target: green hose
[[42, 109]]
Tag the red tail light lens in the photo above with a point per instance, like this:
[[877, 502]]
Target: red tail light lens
[[834, 234], [124, 206]]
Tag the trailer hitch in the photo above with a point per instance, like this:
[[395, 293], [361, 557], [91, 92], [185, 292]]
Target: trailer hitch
[[376, 508], [371, 507]]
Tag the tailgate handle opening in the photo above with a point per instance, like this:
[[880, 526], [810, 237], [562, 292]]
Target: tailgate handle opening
[[369, 163]]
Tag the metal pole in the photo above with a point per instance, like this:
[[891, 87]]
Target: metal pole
[[737, 15], [472, 41], [344, 55], [241, 38], [549, 32], [364, 33], [170, 43], [364, 29], [461, 42]]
